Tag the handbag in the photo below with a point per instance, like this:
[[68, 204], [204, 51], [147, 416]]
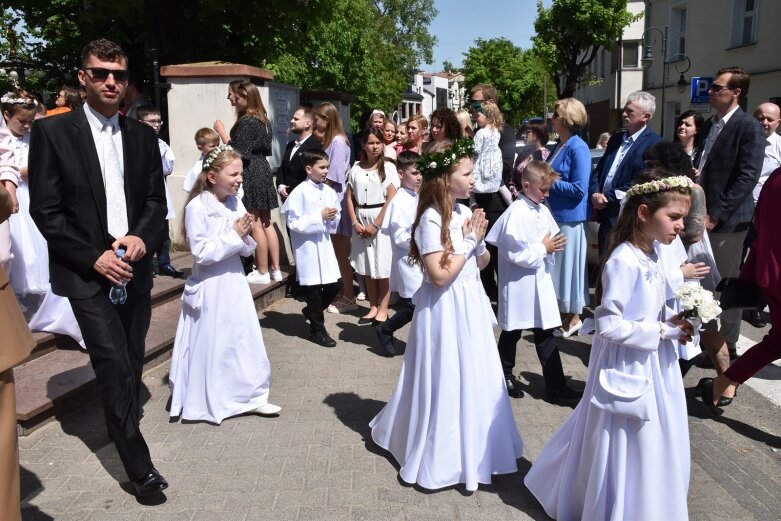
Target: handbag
[[739, 293]]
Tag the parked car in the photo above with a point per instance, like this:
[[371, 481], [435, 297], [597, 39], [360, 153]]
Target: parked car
[[592, 226]]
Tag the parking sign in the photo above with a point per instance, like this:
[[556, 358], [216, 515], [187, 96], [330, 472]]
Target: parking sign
[[700, 86]]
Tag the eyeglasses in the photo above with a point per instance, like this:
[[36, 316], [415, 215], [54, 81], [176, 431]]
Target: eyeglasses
[[716, 88], [153, 122], [101, 74]]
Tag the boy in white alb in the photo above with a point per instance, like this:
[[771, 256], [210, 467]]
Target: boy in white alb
[[405, 279], [149, 115], [526, 237], [312, 211], [206, 140]]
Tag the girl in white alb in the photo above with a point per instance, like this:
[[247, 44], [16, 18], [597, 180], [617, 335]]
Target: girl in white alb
[[623, 453], [449, 419], [219, 366]]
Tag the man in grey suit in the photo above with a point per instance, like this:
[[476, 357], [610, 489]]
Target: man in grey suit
[[729, 166]]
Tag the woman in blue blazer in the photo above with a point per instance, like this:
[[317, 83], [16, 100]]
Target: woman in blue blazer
[[568, 201]]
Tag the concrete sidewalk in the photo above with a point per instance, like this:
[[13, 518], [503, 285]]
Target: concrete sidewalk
[[316, 461]]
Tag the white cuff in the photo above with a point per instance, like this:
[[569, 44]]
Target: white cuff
[[669, 332], [480, 249], [469, 246]]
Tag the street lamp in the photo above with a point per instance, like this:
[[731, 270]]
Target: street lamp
[[649, 41]]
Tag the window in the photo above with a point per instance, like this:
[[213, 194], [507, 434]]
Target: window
[[681, 30], [630, 55], [678, 21], [744, 22]]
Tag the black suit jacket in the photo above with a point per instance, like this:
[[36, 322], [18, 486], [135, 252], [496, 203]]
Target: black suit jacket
[[292, 171], [630, 166], [68, 199], [731, 171]]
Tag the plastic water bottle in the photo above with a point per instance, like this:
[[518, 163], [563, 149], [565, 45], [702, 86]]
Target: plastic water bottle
[[118, 292]]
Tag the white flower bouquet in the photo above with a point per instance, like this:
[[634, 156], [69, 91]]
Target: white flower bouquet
[[697, 302]]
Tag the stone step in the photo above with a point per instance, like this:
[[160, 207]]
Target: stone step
[[61, 379]]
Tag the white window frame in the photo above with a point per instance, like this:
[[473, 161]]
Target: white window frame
[[739, 17]]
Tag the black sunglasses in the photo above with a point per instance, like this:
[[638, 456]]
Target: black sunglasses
[[715, 87], [101, 74]]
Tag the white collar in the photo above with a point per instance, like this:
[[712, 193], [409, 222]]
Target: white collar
[[636, 135], [725, 119], [97, 120]]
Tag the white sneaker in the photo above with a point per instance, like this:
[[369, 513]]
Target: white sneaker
[[276, 275], [360, 296], [258, 278], [267, 409]]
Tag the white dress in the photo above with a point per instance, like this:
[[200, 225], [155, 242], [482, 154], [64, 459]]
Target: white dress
[[30, 265], [623, 453], [405, 278], [219, 366], [49, 313], [449, 420], [488, 163], [527, 298], [371, 257]]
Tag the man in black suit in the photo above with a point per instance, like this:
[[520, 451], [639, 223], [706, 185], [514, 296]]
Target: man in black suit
[[622, 161], [96, 185], [729, 164], [291, 171]]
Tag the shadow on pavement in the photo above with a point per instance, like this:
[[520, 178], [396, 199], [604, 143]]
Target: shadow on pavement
[[88, 424], [696, 409], [31, 486], [287, 324], [356, 413]]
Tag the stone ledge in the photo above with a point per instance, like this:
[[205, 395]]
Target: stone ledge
[[215, 69]]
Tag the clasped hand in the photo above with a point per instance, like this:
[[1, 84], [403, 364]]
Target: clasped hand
[[478, 225], [118, 270], [243, 225], [687, 329], [555, 243], [329, 214]]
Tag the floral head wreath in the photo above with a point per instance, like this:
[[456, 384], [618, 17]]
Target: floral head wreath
[[211, 156], [662, 184], [11, 99], [438, 163]]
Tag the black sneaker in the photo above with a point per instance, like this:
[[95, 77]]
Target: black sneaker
[[386, 340], [322, 338], [513, 386]]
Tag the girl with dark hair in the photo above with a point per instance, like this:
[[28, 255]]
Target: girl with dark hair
[[251, 137], [596, 466], [371, 184], [449, 420], [445, 125]]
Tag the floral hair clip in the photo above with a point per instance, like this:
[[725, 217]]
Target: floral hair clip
[[667, 183], [211, 156], [10, 99], [438, 163]]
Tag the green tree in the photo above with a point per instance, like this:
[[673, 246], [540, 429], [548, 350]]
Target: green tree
[[571, 32], [514, 72], [368, 48]]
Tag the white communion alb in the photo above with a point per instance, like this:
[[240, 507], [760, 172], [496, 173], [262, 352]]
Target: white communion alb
[[219, 366], [310, 239], [405, 278], [524, 266], [623, 453], [449, 419]]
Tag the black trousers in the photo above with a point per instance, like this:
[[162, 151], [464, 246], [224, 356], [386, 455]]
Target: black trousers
[[547, 352], [164, 250], [317, 299], [401, 318], [115, 337], [493, 205]]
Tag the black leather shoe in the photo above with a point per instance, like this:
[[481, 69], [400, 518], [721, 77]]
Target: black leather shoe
[[386, 340], [754, 317], [706, 394], [363, 321], [322, 338], [152, 483], [513, 386], [723, 400], [170, 271], [563, 394]]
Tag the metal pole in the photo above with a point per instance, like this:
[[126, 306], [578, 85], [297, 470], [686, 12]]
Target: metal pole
[[665, 74]]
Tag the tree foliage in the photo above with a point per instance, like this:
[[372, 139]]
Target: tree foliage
[[571, 32], [515, 73], [367, 48]]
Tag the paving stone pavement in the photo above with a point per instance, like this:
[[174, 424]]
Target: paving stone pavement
[[316, 460]]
